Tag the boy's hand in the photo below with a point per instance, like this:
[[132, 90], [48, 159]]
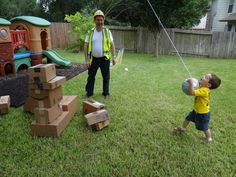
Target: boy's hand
[[190, 81], [191, 88]]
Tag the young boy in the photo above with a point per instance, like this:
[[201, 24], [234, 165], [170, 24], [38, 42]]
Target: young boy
[[201, 109]]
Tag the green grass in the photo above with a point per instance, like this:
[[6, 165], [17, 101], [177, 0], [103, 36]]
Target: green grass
[[146, 104]]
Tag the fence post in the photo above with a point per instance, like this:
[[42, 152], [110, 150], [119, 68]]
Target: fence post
[[157, 44], [139, 39]]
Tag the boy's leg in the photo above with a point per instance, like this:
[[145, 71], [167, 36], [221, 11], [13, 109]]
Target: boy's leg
[[208, 135], [185, 124], [190, 117], [202, 123], [183, 127]]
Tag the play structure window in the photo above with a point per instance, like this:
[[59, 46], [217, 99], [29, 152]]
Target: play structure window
[[20, 49], [3, 34], [19, 27], [44, 37]]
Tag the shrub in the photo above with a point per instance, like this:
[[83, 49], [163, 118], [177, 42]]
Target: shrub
[[81, 23]]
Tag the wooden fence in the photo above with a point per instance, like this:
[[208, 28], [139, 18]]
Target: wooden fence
[[200, 43], [141, 40], [60, 35]]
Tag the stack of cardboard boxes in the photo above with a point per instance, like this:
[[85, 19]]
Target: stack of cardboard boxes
[[4, 104], [96, 114], [52, 110]]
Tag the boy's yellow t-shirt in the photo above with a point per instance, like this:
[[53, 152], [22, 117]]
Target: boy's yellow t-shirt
[[202, 98]]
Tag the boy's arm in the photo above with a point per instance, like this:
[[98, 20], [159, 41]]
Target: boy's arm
[[191, 87]]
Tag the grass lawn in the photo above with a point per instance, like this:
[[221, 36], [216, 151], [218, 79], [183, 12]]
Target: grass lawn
[[146, 104]]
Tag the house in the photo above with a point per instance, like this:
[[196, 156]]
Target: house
[[202, 25], [222, 16]]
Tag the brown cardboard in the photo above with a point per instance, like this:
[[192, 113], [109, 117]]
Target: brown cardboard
[[4, 104], [31, 103], [53, 129], [92, 106], [47, 115], [52, 84], [100, 125], [41, 73], [97, 116], [4, 110], [69, 103], [43, 94]]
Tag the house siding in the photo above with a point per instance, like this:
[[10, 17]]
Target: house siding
[[219, 10]]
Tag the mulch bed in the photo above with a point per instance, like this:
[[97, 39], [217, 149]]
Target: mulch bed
[[17, 85], [73, 71]]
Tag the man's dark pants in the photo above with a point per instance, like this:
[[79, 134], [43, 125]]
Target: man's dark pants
[[104, 64]]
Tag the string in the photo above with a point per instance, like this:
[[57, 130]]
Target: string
[[181, 59]]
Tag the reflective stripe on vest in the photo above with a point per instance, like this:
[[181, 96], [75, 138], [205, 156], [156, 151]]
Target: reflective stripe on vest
[[106, 43]]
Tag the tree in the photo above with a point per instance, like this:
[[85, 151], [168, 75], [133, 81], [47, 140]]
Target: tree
[[81, 23], [13, 8], [57, 9], [173, 14]]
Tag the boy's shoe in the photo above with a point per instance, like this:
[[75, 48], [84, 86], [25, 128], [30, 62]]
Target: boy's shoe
[[208, 139], [179, 129]]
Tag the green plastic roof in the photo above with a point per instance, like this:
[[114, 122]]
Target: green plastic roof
[[37, 21], [4, 22]]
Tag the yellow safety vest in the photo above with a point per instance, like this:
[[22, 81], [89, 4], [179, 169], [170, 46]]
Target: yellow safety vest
[[106, 43]]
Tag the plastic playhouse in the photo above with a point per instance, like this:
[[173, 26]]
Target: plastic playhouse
[[24, 42]]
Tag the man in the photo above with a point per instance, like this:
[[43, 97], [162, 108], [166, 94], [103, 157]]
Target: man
[[99, 49]]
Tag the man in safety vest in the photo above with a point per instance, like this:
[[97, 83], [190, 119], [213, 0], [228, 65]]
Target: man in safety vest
[[99, 50]]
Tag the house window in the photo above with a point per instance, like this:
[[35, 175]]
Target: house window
[[231, 6], [229, 27]]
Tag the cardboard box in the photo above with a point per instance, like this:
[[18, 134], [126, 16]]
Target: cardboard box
[[47, 115], [100, 125], [52, 84], [41, 73], [92, 106], [53, 129], [4, 104], [69, 103], [30, 104], [49, 102], [43, 94], [97, 116]]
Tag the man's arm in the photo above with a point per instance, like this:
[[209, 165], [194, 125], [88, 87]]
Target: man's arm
[[86, 54], [113, 51]]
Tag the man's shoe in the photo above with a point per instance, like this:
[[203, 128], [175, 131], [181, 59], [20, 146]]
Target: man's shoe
[[86, 96], [107, 97]]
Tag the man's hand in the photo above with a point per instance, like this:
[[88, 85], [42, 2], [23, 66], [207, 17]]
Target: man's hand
[[113, 61], [87, 63]]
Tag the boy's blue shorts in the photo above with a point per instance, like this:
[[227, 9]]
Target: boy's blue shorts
[[201, 120]]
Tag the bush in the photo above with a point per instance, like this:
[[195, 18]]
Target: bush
[[81, 23]]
